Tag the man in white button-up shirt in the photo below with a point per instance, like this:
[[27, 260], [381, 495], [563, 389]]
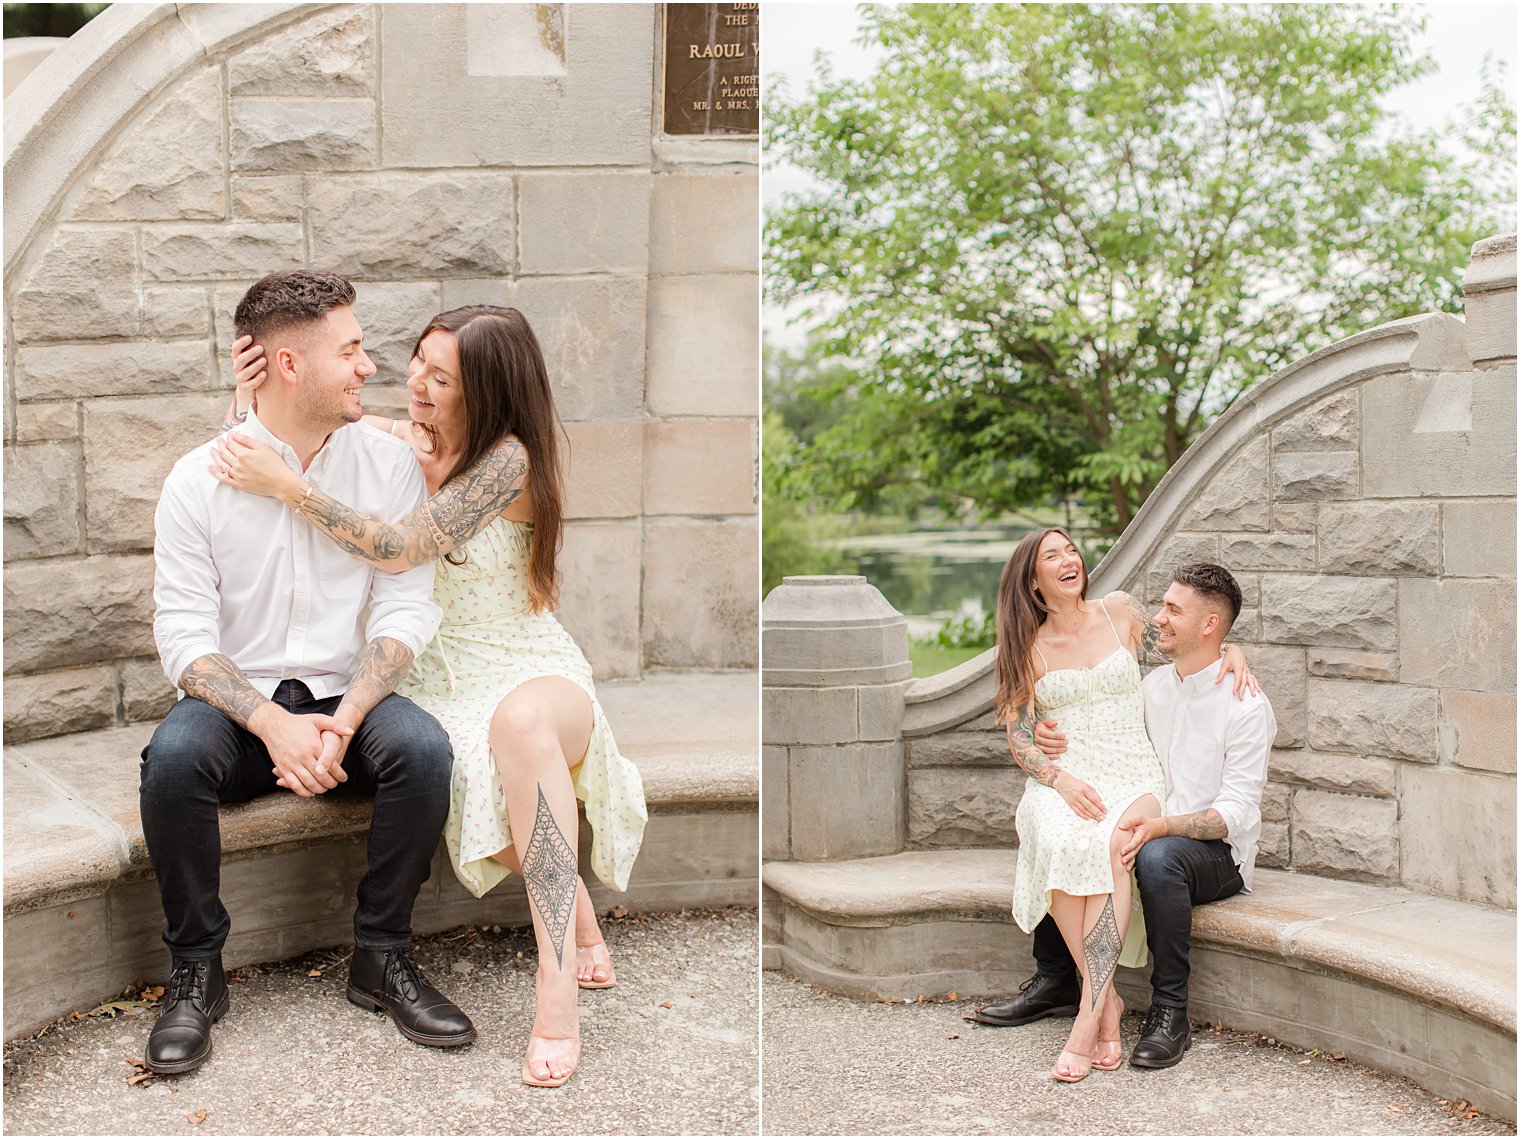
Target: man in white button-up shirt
[[1213, 748], [286, 650]]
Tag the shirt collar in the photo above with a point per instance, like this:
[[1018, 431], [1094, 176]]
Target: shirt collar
[[255, 429], [1198, 681]]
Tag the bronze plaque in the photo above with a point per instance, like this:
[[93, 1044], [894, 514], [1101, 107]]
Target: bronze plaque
[[712, 69]]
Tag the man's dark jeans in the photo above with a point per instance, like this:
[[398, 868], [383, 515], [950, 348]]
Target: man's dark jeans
[[1175, 874], [198, 758]]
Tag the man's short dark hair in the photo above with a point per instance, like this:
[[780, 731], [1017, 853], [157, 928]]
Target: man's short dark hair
[[1213, 581], [289, 299]]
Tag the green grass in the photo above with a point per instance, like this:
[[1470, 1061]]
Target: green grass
[[930, 658]]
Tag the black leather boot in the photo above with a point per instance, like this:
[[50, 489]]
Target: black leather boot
[[389, 981], [195, 999], [1039, 997], [1163, 1040]]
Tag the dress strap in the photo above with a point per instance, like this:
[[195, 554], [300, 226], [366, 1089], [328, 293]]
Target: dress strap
[[1043, 661], [395, 423], [1111, 628]]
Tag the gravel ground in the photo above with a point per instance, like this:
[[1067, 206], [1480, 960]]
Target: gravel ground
[[671, 1050], [835, 1066]]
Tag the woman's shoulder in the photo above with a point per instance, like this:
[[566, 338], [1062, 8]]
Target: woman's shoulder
[[1037, 665], [506, 462], [497, 479], [1121, 605], [511, 447]]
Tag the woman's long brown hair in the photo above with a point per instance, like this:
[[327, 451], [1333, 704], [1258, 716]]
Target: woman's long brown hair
[[1021, 610], [505, 388]]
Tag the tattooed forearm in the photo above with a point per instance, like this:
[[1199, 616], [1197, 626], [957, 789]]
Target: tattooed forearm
[[380, 665], [1150, 632], [1101, 947], [1025, 753], [214, 679], [548, 869], [354, 531], [1205, 824], [455, 514]]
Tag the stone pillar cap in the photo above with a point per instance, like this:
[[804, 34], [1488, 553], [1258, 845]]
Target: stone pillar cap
[[828, 601], [1492, 266], [831, 631]]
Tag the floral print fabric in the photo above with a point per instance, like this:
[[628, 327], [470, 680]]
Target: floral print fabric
[[488, 643], [1102, 713]]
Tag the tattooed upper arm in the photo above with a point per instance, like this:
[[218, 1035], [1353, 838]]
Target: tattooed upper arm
[[463, 508], [1146, 630]]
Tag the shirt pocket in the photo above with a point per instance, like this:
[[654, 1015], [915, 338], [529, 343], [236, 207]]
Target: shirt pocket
[[1201, 746], [340, 574]]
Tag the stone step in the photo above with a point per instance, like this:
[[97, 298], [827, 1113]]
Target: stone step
[[1411, 983], [77, 874]]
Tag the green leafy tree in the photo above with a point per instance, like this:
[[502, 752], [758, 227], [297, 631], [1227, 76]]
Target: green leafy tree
[[800, 389], [1054, 241], [793, 537], [48, 19]]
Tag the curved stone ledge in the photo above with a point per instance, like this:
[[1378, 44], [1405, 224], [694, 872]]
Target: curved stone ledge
[[900, 887], [1414, 984], [78, 881]]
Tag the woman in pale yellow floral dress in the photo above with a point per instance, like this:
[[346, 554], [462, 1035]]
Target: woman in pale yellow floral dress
[[1063, 655], [503, 677]]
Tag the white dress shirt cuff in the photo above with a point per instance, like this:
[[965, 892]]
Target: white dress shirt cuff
[[1238, 817]]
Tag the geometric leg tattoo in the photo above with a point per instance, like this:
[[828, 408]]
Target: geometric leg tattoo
[[549, 873], [1102, 946]]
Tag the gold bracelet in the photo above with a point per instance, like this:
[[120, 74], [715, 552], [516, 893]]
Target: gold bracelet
[[301, 502]]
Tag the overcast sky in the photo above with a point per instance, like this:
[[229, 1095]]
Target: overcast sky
[[1456, 35]]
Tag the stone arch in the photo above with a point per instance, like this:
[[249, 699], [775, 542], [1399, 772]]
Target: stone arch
[[83, 98], [1225, 452]]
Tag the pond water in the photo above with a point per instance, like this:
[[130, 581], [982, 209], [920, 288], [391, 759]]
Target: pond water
[[930, 575]]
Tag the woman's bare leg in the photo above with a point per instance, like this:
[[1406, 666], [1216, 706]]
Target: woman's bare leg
[[1108, 927], [1094, 926], [1070, 914], [537, 732], [593, 964]]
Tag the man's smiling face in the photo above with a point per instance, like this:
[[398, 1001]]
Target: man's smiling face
[[333, 368], [1184, 620]]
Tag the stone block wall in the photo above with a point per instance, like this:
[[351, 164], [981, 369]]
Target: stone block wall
[[439, 155], [963, 787], [1365, 500]]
